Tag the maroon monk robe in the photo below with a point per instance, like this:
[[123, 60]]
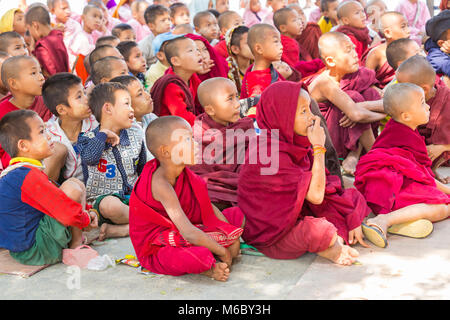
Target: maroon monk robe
[[158, 244], [274, 204], [219, 169], [358, 86], [220, 68], [309, 42], [437, 130], [360, 37], [396, 172], [385, 74], [52, 54]]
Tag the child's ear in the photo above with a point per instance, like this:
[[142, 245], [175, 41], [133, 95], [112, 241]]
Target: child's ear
[[235, 50], [209, 110], [23, 146], [405, 117], [258, 48], [107, 108], [283, 28], [175, 61], [164, 151], [160, 55], [344, 20], [440, 43], [387, 33], [61, 109], [330, 62]]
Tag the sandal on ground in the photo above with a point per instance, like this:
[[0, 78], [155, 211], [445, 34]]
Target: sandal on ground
[[374, 234], [414, 229], [250, 250]]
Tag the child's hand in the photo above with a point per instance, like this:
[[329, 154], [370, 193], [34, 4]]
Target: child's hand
[[94, 221], [226, 257], [355, 236], [315, 133], [283, 68], [446, 47], [434, 151], [111, 137], [346, 122], [208, 65]]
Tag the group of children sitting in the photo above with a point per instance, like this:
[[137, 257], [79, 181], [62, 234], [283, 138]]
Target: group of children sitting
[[119, 121]]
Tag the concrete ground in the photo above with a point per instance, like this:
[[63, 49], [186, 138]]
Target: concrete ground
[[406, 269]]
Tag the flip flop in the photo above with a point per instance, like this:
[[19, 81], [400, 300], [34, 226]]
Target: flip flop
[[374, 234], [415, 229], [250, 250]]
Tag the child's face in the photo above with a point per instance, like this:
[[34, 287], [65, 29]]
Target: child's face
[[93, 20], [356, 16], [62, 11], [141, 101], [271, 47], [139, 14], [303, 116], [127, 35], [136, 61], [234, 21], [78, 108], [222, 5], [39, 146], [225, 107], [122, 114], [346, 58], [255, 6], [182, 146], [30, 79], [444, 43], [331, 13], [118, 68], [208, 28], [399, 29], [376, 10], [19, 23], [244, 50], [419, 111], [161, 24], [277, 4], [181, 16], [293, 26], [17, 47], [204, 54], [190, 57]]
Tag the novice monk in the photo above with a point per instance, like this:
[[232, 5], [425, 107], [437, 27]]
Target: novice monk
[[22, 76], [134, 58], [344, 92], [227, 20], [307, 211], [419, 71], [353, 19], [37, 219], [13, 44], [218, 97], [393, 26], [174, 227], [265, 44], [395, 177], [400, 50], [49, 49], [175, 93]]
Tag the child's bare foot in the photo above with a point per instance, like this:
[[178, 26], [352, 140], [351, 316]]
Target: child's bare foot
[[219, 272], [235, 249], [113, 231], [441, 178], [340, 253], [77, 238], [349, 164]]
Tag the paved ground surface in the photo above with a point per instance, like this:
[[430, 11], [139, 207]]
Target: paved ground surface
[[406, 269]]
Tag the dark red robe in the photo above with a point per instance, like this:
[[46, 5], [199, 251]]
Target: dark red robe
[[52, 54], [359, 36], [385, 74], [309, 42], [274, 202], [396, 172]]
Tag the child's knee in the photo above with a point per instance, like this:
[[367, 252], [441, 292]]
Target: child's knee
[[74, 189], [112, 206]]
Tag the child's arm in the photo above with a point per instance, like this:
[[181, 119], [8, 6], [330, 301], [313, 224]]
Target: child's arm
[[373, 60], [162, 191], [356, 112], [435, 150], [142, 159], [442, 187], [92, 145], [316, 191]]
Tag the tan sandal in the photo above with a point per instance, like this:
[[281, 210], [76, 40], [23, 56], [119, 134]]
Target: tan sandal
[[414, 229], [374, 234]]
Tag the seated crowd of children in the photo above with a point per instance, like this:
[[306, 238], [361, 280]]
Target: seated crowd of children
[[191, 129]]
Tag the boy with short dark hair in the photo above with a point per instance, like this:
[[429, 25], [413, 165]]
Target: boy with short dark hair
[[109, 40], [38, 219], [329, 19], [179, 14], [65, 97], [13, 44], [124, 32], [227, 21], [50, 49], [400, 50], [205, 24], [175, 93], [112, 157], [157, 18], [134, 58], [107, 68]]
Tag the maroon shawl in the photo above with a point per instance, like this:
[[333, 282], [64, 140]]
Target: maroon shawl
[[385, 74], [52, 54], [309, 42], [437, 130], [360, 35], [221, 174], [274, 203], [397, 171], [220, 68]]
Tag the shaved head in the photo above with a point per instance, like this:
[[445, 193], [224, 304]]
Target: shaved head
[[329, 41], [12, 67], [159, 132], [417, 70], [399, 98], [257, 34], [389, 18], [207, 88], [345, 8]]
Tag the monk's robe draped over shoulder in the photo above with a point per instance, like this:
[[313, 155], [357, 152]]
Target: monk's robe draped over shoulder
[[150, 226], [358, 86], [437, 130], [274, 203], [220, 160], [396, 172], [360, 38], [309, 41], [385, 74]]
